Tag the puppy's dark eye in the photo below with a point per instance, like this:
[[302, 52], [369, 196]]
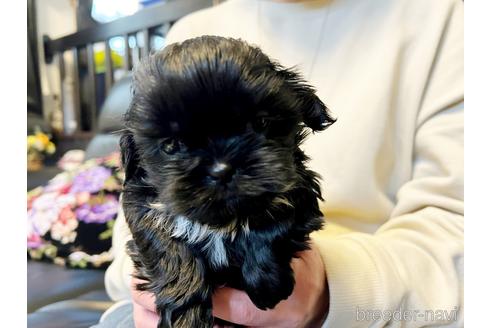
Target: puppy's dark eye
[[261, 123], [169, 145]]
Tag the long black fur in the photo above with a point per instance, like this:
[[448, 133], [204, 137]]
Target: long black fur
[[215, 100]]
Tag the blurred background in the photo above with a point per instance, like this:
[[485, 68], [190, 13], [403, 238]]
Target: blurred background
[[77, 50], [80, 53]]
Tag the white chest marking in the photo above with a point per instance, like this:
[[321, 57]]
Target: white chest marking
[[194, 232]]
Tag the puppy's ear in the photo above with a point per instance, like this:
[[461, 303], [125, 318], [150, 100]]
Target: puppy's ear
[[129, 157], [314, 113]]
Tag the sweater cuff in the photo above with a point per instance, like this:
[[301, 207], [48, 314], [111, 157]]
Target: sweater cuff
[[355, 285]]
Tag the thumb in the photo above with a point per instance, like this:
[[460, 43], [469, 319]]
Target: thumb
[[143, 298]]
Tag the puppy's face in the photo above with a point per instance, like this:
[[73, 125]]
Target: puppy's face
[[214, 129]]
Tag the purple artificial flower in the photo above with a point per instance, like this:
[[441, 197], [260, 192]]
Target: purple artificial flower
[[91, 180], [99, 212], [34, 241]]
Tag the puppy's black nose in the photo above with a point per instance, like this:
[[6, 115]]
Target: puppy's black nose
[[221, 171]]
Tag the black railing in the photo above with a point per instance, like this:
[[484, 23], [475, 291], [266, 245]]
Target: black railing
[[148, 22]]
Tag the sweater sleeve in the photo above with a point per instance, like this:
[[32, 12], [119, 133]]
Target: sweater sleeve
[[409, 273], [118, 275]]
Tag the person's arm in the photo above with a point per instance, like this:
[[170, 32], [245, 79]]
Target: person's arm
[[414, 262], [118, 275]]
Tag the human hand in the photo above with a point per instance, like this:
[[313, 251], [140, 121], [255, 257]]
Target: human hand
[[305, 307], [144, 310]]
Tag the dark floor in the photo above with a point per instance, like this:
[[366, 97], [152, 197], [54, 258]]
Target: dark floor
[[64, 298]]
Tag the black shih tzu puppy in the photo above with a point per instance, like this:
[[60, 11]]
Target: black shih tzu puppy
[[216, 191]]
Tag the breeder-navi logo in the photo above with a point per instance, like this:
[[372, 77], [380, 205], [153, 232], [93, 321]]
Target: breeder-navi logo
[[407, 315]]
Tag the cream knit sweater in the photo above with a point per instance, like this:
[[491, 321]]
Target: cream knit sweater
[[391, 71]]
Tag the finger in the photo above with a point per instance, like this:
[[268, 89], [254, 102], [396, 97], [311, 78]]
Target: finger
[[142, 298], [144, 318], [235, 306]]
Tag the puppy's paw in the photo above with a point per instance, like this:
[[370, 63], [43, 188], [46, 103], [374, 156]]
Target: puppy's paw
[[270, 292]]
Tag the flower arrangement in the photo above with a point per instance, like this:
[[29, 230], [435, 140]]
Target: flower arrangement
[[70, 220], [38, 145]]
